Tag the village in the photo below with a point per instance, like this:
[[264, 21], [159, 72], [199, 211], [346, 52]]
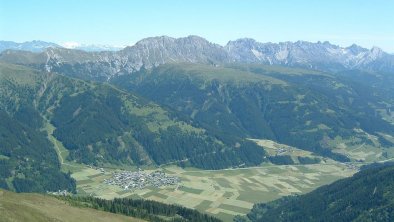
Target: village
[[129, 180]]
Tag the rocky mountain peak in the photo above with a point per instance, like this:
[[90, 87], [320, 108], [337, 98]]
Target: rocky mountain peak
[[356, 49], [154, 51]]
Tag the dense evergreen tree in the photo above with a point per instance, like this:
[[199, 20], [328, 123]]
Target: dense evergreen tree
[[139, 208], [281, 160], [31, 161], [367, 196], [308, 160], [303, 111]]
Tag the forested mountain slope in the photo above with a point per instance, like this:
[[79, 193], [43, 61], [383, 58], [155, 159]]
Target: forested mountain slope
[[98, 124], [346, 105], [367, 196], [308, 109]]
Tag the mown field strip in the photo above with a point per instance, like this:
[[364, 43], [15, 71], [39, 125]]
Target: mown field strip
[[223, 193]]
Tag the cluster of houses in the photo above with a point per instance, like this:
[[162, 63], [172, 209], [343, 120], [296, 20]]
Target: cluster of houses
[[129, 180], [351, 166], [283, 150]]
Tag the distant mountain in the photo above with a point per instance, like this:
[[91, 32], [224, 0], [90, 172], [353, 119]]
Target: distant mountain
[[367, 196], [155, 51], [41, 46], [91, 47], [33, 46], [102, 66], [320, 55]]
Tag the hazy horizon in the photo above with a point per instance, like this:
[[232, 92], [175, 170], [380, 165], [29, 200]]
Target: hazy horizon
[[72, 45], [123, 23]]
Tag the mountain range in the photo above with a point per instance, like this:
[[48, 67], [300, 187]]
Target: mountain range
[[189, 102], [33, 46], [40, 46], [154, 51]]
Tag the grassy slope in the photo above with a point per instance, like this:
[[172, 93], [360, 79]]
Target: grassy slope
[[40, 208]]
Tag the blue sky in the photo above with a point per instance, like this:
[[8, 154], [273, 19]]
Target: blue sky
[[121, 22]]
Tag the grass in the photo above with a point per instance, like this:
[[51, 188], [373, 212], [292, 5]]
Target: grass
[[19, 75], [2, 157], [362, 146], [41, 208], [207, 73], [272, 147], [203, 205], [156, 117], [61, 151], [191, 190], [233, 208], [276, 69], [221, 193]]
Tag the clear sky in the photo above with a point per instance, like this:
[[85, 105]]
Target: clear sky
[[124, 22]]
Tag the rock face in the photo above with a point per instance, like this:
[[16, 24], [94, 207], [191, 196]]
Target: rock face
[[154, 51], [320, 55]]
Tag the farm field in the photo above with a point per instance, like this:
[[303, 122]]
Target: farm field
[[277, 149], [222, 193]]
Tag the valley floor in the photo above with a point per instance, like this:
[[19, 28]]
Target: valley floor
[[222, 193]]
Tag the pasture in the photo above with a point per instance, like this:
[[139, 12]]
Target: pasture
[[222, 193]]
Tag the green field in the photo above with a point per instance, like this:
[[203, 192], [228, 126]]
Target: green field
[[364, 147], [272, 147], [222, 193]]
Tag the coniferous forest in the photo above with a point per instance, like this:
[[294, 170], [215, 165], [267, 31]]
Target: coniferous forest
[[139, 208], [366, 196]]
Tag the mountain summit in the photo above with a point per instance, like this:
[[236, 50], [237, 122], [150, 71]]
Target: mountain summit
[[154, 51]]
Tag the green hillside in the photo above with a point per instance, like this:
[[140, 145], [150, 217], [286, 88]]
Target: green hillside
[[28, 162], [367, 196], [327, 113], [98, 125], [40, 208]]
